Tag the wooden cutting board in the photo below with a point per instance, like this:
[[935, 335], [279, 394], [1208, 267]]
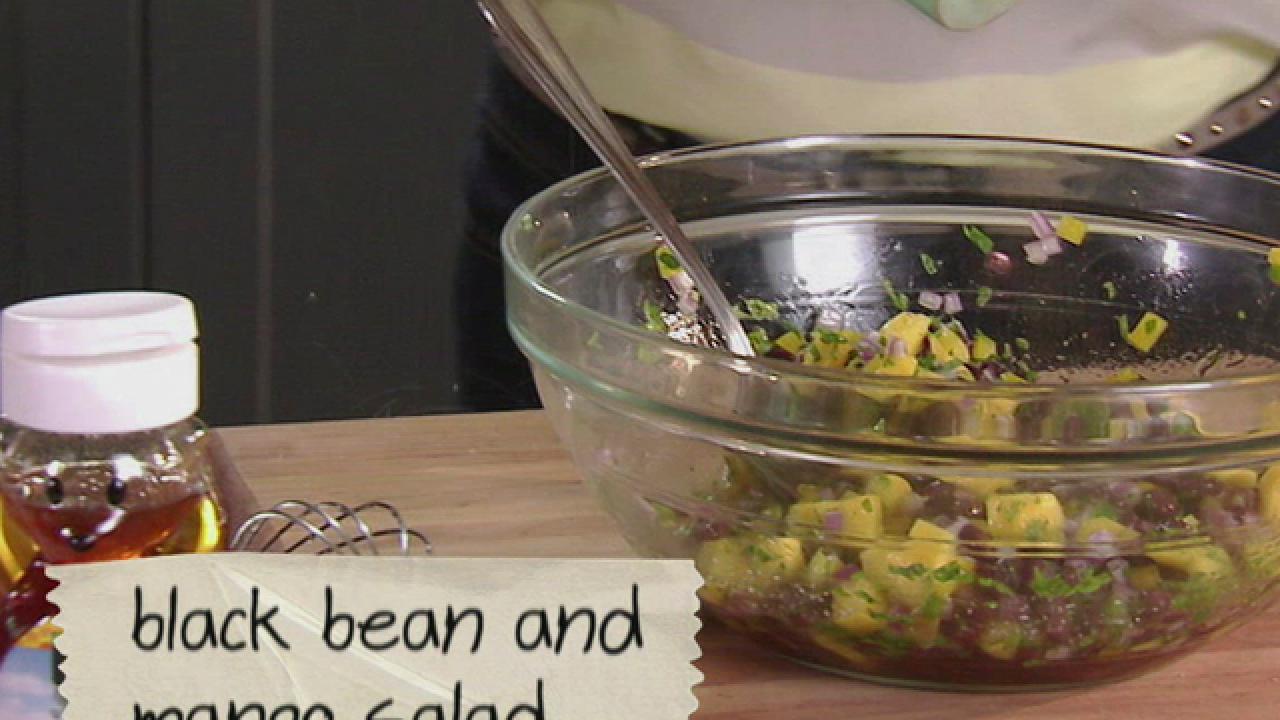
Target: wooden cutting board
[[500, 485]]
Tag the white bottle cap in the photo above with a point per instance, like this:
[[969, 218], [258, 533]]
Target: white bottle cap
[[107, 362]]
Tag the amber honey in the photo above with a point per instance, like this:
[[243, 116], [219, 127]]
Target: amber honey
[[118, 507]]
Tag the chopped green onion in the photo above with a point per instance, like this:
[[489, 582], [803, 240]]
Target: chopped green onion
[[653, 320], [1241, 315], [760, 341], [1123, 322], [1109, 289], [757, 309], [979, 238], [668, 265], [900, 300], [928, 263], [984, 295]]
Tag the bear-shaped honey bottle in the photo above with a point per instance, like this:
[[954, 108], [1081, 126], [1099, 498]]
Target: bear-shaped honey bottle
[[103, 455]]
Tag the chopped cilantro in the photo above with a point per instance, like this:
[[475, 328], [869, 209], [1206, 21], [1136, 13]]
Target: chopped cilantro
[[760, 341], [933, 606], [995, 585], [1022, 343], [760, 554], [668, 259], [1109, 289], [1105, 509], [1241, 315], [1057, 587], [953, 571], [979, 238], [984, 295], [865, 596], [928, 263], [653, 320], [867, 505], [911, 572], [898, 299], [757, 309]]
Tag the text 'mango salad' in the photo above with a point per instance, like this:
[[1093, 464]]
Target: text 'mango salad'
[[974, 581]]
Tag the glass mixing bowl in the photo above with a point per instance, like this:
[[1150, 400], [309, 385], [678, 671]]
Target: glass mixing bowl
[[919, 529]]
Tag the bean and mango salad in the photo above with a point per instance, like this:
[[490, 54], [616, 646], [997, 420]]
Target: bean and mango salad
[[974, 581]]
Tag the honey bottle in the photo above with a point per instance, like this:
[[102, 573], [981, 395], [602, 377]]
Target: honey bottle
[[103, 457]]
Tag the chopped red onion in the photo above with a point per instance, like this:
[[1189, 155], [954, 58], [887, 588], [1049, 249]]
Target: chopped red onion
[[1041, 226], [681, 283], [688, 303], [951, 304], [912, 504], [1052, 245], [1035, 253], [897, 348], [1061, 652], [1102, 537], [845, 572], [868, 349], [833, 522], [930, 300]]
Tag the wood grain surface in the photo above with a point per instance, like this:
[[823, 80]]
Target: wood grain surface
[[492, 485]]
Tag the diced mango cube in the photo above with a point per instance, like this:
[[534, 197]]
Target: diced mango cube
[[980, 486], [853, 516], [984, 348], [831, 348], [1243, 478], [822, 566], [1147, 332], [908, 327], [1103, 526], [1269, 494], [1205, 560], [909, 571], [1072, 229], [946, 345], [1146, 577], [790, 341], [897, 367], [858, 605], [1026, 517], [1126, 375], [893, 490], [742, 563]]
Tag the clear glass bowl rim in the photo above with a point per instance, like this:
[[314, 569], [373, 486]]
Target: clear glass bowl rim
[[781, 369]]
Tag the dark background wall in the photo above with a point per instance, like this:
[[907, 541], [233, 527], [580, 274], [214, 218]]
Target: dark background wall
[[294, 166]]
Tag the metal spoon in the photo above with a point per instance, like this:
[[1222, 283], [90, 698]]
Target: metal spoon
[[520, 26]]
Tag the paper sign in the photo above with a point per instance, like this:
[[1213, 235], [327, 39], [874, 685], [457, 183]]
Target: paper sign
[[275, 637]]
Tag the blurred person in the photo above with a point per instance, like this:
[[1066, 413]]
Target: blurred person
[[1176, 76]]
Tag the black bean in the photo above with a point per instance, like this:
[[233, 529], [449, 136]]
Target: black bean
[[1237, 500], [1158, 505], [1058, 623]]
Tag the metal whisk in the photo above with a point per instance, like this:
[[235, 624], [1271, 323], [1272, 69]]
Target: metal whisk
[[325, 528]]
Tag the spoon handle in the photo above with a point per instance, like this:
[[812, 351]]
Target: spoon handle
[[520, 26]]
